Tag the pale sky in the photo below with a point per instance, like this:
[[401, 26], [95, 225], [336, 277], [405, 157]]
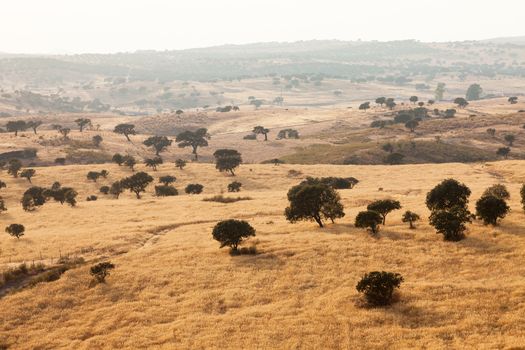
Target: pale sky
[[100, 26]]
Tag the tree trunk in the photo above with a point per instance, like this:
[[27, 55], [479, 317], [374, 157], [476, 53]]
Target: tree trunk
[[411, 224], [231, 171], [384, 219], [319, 221], [127, 137], [265, 137]]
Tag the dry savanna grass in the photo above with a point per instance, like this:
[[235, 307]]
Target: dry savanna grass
[[174, 288]]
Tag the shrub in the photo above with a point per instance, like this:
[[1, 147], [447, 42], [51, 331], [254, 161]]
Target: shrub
[[91, 198], [15, 230], [221, 199], [116, 189], [410, 217], [93, 176], [383, 207], [104, 189], [491, 208], [369, 219], [235, 186], [118, 158], [498, 191], [232, 232], [2, 205], [101, 270], [165, 191], [28, 174], [378, 287], [13, 167], [194, 189], [313, 202], [60, 161], [522, 195], [338, 183], [394, 158]]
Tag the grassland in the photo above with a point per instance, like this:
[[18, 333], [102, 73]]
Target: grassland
[[174, 288]]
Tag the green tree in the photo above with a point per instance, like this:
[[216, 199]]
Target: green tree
[[194, 189], [498, 191], [227, 160], [28, 174], [231, 233], [313, 202], [448, 194], [137, 183], [364, 106], [118, 158], [82, 123], [414, 99], [440, 91], [116, 189], [34, 124], [490, 209], [381, 101], [410, 217], [193, 139], [369, 220], [93, 176], [384, 207], [126, 130], [461, 102], [153, 162], [180, 163], [412, 125], [450, 222], [474, 92], [159, 143], [167, 179], [510, 139], [97, 140], [130, 162], [503, 151], [378, 287], [33, 197], [15, 230], [16, 126], [13, 167], [261, 130]]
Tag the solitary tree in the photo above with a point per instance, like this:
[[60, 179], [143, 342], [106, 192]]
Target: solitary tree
[[97, 140], [13, 167], [381, 101], [116, 189], [412, 125], [490, 209], [383, 207], [159, 143], [378, 287], [93, 176], [100, 271], [410, 217], [193, 139], [180, 163], [34, 124], [313, 202], [65, 132], [230, 233], [153, 163], [15, 230], [28, 174], [503, 151], [491, 132], [510, 139], [227, 160], [461, 102], [513, 100], [82, 123], [16, 126], [126, 130], [414, 99], [235, 186], [474, 92], [364, 106], [261, 130], [194, 189], [369, 219], [137, 183], [118, 158], [390, 103], [130, 162], [167, 179]]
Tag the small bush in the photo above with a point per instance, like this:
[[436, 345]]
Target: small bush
[[369, 219], [15, 230], [194, 189], [378, 287], [221, 199], [490, 209], [235, 186], [410, 217], [104, 189], [91, 198], [101, 270], [165, 191]]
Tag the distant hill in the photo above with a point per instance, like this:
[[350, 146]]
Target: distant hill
[[518, 40]]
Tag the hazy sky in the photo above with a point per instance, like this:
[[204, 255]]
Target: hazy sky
[[74, 26]]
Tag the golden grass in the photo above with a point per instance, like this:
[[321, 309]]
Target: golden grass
[[174, 288]]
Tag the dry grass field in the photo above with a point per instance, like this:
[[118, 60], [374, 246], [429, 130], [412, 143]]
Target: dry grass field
[[174, 288]]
